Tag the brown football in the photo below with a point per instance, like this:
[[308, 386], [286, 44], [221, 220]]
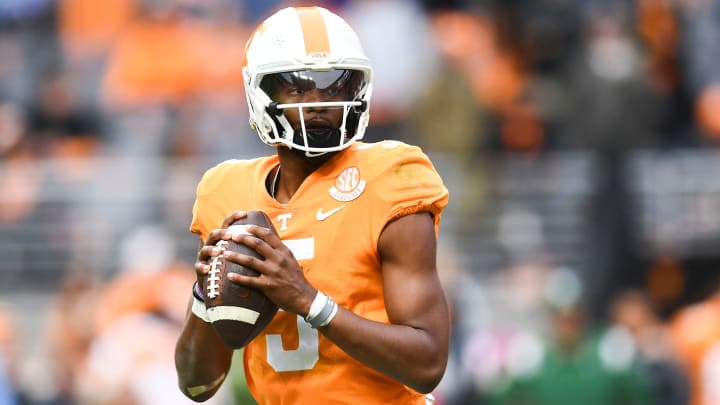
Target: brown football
[[237, 313]]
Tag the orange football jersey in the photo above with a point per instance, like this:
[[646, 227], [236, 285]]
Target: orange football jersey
[[332, 225]]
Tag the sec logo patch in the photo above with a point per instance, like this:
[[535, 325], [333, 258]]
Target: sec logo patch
[[348, 185]]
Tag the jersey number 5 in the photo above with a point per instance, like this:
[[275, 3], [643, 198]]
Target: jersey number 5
[[302, 358]]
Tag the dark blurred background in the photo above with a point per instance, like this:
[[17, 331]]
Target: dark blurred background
[[579, 139]]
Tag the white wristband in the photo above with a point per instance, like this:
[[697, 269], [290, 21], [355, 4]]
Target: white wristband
[[317, 305], [198, 308], [322, 310], [333, 312]]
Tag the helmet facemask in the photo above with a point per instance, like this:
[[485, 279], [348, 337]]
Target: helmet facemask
[[342, 89]]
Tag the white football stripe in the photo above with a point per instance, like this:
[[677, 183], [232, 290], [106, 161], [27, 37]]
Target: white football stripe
[[228, 313]]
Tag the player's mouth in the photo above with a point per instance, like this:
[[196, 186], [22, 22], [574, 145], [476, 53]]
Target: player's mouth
[[318, 123]]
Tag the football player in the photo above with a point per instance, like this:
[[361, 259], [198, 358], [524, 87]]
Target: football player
[[363, 318]]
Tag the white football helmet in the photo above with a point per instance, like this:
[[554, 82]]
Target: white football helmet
[[316, 46]]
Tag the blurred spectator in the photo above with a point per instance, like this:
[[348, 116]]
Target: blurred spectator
[[561, 356], [403, 59], [700, 56], [155, 60], [174, 50], [576, 366], [137, 319], [160, 105], [500, 320], [452, 114], [696, 333], [22, 184], [131, 363], [68, 334], [616, 106], [120, 348], [472, 46], [135, 291], [633, 311], [16, 154], [57, 122], [87, 31], [202, 122], [448, 95], [130, 318], [88, 28], [150, 280]]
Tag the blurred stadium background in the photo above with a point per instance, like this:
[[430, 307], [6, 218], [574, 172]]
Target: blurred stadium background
[[579, 140]]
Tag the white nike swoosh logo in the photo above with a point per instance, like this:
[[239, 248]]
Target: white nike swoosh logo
[[321, 216]]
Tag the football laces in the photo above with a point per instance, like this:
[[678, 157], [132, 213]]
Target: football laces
[[213, 288]]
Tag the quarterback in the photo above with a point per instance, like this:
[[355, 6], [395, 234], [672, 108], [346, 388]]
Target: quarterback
[[363, 317]]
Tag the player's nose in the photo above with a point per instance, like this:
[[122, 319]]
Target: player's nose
[[314, 96]]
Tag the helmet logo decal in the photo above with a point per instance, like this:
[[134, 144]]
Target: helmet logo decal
[[348, 185], [318, 55]]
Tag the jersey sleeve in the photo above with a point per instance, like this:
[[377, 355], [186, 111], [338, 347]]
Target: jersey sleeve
[[207, 197], [408, 183]]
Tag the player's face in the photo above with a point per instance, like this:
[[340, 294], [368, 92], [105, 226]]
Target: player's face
[[313, 87]]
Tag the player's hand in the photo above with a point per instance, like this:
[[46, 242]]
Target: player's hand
[[209, 249], [281, 277]]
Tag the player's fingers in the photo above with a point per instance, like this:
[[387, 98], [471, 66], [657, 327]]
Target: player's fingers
[[262, 247], [232, 217], [207, 252], [267, 235], [201, 268], [251, 262], [204, 255], [260, 283], [217, 235], [214, 236]]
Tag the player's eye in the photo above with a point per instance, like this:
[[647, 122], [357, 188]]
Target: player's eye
[[333, 91], [294, 91]]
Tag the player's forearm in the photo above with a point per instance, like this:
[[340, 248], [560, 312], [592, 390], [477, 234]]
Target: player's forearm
[[410, 355], [202, 360]]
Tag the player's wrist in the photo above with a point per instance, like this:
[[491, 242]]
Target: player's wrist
[[309, 299], [322, 310]]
